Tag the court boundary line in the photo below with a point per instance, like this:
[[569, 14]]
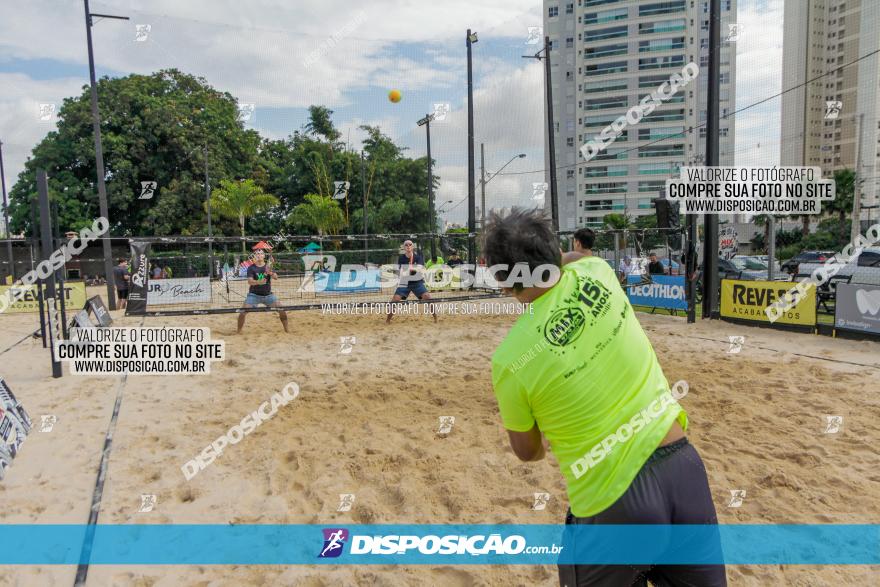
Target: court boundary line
[[82, 569]]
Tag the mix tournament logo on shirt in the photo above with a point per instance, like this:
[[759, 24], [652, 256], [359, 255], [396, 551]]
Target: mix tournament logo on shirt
[[567, 324]]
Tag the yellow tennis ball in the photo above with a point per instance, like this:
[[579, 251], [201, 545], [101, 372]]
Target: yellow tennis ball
[[394, 96]]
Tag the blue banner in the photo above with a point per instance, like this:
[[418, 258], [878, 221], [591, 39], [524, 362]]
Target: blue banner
[[365, 280], [665, 291], [437, 544]]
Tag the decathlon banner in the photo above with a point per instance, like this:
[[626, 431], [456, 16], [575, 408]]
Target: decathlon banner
[[748, 300], [178, 291], [857, 307], [140, 278], [74, 296], [438, 544], [665, 291]]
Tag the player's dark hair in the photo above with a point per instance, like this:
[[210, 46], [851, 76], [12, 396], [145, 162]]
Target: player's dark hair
[[522, 236], [586, 237]]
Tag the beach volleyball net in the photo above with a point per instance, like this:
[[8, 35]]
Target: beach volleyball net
[[198, 275]]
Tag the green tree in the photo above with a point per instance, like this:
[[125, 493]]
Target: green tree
[[321, 124], [241, 200], [844, 181], [319, 213], [154, 128], [616, 221]]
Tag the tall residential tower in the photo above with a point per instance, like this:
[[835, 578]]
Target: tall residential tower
[[608, 54]]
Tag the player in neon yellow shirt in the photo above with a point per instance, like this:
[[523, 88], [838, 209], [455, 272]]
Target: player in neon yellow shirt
[[580, 371]]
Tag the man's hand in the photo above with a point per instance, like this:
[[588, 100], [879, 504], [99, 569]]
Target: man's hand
[[527, 446]]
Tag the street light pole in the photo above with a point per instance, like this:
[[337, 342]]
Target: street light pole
[[6, 217], [482, 188], [99, 157], [484, 181]]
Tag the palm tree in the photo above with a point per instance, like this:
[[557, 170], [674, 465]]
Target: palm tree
[[320, 213], [241, 199]]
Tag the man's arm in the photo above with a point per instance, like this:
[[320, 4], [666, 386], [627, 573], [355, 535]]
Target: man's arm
[[527, 446]]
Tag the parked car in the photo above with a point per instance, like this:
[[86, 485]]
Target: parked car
[[765, 259], [791, 266], [754, 268], [869, 257]]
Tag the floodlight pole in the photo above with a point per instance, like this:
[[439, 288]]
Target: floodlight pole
[[426, 122], [710, 239], [472, 213], [208, 206], [6, 217], [99, 157], [364, 190]]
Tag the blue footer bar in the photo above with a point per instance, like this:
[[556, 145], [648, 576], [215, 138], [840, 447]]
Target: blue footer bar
[[527, 544]]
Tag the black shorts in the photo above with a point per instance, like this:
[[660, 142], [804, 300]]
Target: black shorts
[[671, 488], [122, 294]]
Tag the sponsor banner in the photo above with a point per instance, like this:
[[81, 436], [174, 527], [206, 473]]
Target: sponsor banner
[[14, 426], [857, 307], [748, 300], [178, 291], [727, 243], [74, 296], [97, 307], [441, 544], [140, 278], [666, 291], [365, 280]]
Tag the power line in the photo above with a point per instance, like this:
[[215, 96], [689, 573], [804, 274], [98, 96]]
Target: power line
[[702, 124]]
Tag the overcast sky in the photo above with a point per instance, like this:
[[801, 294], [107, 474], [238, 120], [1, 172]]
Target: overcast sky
[[259, 50]]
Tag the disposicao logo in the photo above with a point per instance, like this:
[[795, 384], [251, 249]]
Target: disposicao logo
[[334, 541]]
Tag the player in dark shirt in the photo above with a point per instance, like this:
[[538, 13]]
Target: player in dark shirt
[[260, 276], [655, 267], [121, 279], [412, 266]]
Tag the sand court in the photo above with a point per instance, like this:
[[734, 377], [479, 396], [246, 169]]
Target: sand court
[[366, 421]]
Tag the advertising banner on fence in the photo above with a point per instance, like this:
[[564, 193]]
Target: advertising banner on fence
[[178, 291], [748, 300], [140, 277], [74, 296], [665, 291], [857, 307]]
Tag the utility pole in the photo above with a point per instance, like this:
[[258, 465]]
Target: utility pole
[[710, 238], [551, 138], [6, 217], [99, 157], [554, 200], [472, 213], [856, 229], [482, 188]]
